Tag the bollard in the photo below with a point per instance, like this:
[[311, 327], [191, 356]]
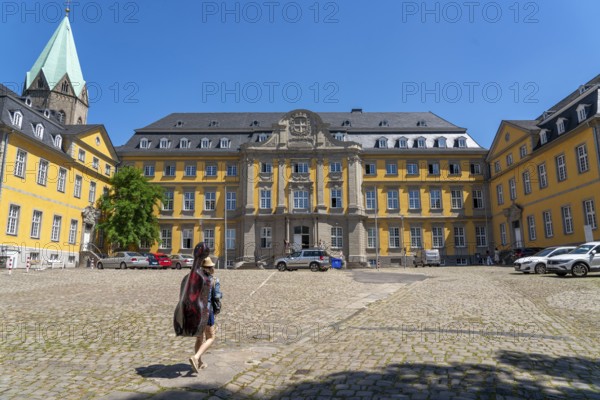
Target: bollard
[[93, 260], [28, 263], [10, 265]]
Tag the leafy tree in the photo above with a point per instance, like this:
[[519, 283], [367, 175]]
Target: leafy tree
[[127, 213]]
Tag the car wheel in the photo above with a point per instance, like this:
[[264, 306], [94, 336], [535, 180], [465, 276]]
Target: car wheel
[[123, 266], [100, 266], [281, 266], [314, 267], [579, 270], [561, 273], [540, 269], [178, 266]]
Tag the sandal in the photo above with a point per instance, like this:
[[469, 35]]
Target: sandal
[[194, 364]]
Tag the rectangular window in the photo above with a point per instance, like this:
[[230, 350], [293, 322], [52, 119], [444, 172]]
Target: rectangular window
[[231, 169], [336, 198], [95, 163], [459, 237], [169, 196], [231, 201], [526, 182], [300, 167], [12, 225], [77, 187], [503, 239], [230, 239], [548, 229], [392, 200], [301, 200], [434, 168], [81, 156], [335, 166], [371, 238], [337, 238], [20, 164], [509, 160], [266, 237], [169, 170], [454, 168], [457, 199], [42, 176], [187, 239], [107, 170], [561, 168], [265, 199], [416, 241], [148, 170], [371, 201], [567, 218], [266, 168], [36, 224], [166, 237], [590, 213], [73, 232], [542, 176], [391, 168], [475, 169], [414, 199], [209, 238], [437, 237], [531, 227], [62, 180], [190, 170], [478, 199], [512, 188], [370, 169], [56, 224], [412, 168], [582, 158], [523, 151], [189, 201], [92, 194], [435, 199], [499, 195], [497, 167], [480, 236], [394, 242], [210, 201]]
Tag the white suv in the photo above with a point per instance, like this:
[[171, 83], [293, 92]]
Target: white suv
[[584, 259], [537, 262]]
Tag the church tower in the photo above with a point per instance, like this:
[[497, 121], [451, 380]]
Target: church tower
[[55, 82]]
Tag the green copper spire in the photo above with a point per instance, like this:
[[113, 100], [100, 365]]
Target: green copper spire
[[59, 58]]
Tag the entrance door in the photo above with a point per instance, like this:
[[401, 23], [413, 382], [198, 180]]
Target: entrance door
[[518, 237], [301, 237], [87, 236]]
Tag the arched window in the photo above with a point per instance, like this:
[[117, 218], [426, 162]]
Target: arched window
[[65, 87], [225, 143], [39, 131], [17, 119], [79, 121], [184, 143], [382, 143], [421, 143], [205, 143], [58, 141], [144, 143], [262, 137], [441, 142], [61, 116], [165, 143]]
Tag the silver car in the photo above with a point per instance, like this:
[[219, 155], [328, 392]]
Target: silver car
[[315, 259], [182, 260], [124, 260], [584, 259], [537, 262]]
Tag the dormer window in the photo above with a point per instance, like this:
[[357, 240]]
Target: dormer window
[[58, 141], [441, 142], [384, 123], [47, 113], [184, 143], [205, 143], [544, 136], [165, 143], [422, 123], [461, 142], [582, 112], [262, 137], [28, 101], [179, 124], [144, 143], [61, 116], [225, 143], [403, 143], [560, 125], [213, 124], [382, 143], [255, 123], [347, 123], [17, 119], [339, 136], [421, 143], [39, 131], [79, 121]]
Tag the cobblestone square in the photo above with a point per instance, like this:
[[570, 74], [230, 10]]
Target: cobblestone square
[[427, 333]]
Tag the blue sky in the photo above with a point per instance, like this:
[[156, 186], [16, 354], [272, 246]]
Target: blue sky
[[473, 63]]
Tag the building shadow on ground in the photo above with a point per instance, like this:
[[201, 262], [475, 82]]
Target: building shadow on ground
[[516, 375]]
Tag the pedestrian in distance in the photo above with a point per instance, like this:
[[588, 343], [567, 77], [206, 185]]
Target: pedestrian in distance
[[496, 256], [488, 258]]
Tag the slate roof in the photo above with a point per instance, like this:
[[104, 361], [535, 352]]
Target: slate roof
[[530, 125], [571, 97]]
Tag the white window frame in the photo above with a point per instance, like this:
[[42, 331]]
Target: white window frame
[[73, 231], [225, 143], [435, 201], [583, 163], [230, 201], [77, 188], [266, 168], [414, 199], [437, 237], [17, 119], [336, 198], [56, 227], [394, 237], [210, 201], [456, 196], [164, 143], [499, 194], [12, 223], [149, 170], [265, 199], [169, 169], [371, 237], [560, 125], [542, 175], [391, 168], [454, 168], [371, 199], [460, 240], [42, 175], [266, 237], [335, 166], [509, 159], [523, 151], [548, 227], [231, 170], [20, 163], [301, 199], [205, 143], [92, 193], [187, 238], [230, 235], [561, 168], [512, 188], [81, 155], [590, 213], [478, 203], [412, 168], [416, 237], [480, 236], [190, 170], [503, 237], [36, 224], [567, 219], [168, 200], [337, 237], [526, 182], [189, 201], [393, 200], [166, 238]]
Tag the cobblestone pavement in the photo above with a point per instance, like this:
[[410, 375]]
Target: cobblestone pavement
[[427, 333]]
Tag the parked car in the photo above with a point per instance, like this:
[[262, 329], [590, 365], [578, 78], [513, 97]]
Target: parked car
[[124, 260], [427, 258], [537, 262], [182, 260], [315, 259], [521, 252], [152, 260], [164, 260], [584, 259]]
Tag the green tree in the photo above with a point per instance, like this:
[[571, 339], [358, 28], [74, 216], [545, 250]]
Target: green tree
[[127, 212]]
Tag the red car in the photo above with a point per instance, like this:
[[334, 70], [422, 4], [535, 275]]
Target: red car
[[163, 260]]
